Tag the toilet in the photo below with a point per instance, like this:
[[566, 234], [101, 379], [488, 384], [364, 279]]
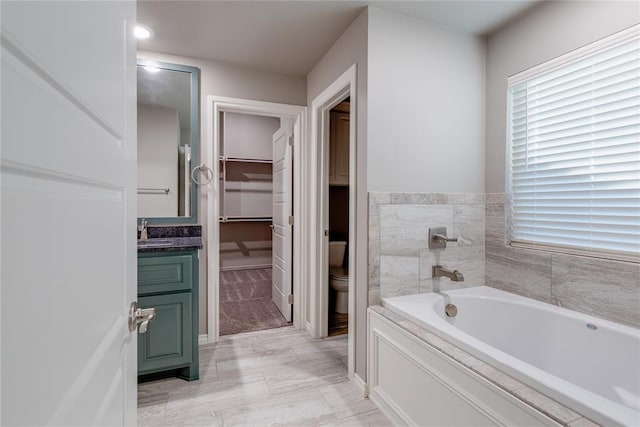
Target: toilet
[[339, 276]]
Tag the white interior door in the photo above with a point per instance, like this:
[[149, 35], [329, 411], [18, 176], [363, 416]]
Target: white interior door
[[68, 209], [282, 229]]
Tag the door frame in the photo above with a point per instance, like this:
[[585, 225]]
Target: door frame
[[338, 90], [298, 113]]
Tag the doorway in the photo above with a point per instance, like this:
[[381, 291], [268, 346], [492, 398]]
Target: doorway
[[255, 238], [318, 232], [338, 225], [245, 228]]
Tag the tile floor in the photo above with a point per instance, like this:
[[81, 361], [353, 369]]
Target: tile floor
[[275, 377]]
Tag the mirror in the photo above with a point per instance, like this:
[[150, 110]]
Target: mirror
[[168, 141]]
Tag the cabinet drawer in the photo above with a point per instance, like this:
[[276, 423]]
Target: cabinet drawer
[[167, 343], [164, 274]]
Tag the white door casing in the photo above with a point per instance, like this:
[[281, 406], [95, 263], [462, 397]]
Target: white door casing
[[282, 228], [317, 179], [296, 113], [68, 206]]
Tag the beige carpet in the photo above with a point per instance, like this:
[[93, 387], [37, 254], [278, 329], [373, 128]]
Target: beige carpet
[[245, 302]]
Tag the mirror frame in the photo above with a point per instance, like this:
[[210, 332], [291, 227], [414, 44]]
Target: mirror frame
[[195, 138]]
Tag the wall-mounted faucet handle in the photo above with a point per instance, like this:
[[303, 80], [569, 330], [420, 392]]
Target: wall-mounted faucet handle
[[443, 238], [438, 238]]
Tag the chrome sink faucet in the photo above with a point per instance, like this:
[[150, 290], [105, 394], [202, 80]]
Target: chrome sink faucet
[[144, 236], [440, 271]]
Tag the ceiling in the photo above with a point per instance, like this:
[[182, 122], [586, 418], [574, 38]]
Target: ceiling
[[291, 36]]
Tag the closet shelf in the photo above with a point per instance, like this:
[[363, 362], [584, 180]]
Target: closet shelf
[[244, 160], [225, 219]]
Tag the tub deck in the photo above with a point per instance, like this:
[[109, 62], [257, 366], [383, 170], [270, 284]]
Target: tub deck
[[423, 316]]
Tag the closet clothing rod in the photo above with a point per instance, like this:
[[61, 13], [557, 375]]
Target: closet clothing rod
[[244, 160], [246, 219]]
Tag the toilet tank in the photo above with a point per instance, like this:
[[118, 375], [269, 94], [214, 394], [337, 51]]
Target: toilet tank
[[336, 253]]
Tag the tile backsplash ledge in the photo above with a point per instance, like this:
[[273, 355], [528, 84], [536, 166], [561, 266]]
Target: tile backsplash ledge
[[400, 261]]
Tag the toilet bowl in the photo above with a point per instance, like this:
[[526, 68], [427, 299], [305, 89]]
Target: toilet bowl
[[339, 282], [339, 276]]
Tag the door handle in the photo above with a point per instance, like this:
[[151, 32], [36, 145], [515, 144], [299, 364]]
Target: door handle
[[140, 316]]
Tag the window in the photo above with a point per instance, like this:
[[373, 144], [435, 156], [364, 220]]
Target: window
[[573, 172]]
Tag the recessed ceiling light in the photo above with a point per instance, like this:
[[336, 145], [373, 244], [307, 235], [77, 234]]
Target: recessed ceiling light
[[143, 32]]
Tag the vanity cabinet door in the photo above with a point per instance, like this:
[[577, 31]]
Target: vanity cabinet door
[[164, 273], [167, 344]]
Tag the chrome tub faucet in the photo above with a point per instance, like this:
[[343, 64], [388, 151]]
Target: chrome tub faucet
[[440, 271]]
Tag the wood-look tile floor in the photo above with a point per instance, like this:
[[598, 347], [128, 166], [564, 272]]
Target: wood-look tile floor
[[338, 324], [267, 378]]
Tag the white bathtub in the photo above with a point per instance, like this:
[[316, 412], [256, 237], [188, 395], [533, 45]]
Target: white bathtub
[[588, 364]]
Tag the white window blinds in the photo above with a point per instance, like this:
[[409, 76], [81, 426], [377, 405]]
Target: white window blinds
[[574, 153]]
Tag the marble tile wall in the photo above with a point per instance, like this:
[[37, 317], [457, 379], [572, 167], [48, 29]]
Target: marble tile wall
[[603, 288], [399, 259]]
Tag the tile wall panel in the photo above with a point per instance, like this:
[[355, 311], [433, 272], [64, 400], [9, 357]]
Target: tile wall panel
[[603, 288], [400, 261]]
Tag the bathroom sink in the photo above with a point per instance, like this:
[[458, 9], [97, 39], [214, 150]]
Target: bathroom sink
[[155, 243]]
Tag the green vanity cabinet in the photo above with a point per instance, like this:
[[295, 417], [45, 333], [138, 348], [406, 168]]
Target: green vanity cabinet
[[168, 281]]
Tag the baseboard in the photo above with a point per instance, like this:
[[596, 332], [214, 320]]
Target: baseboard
[[245, 267], [203, 339], [361, 384]]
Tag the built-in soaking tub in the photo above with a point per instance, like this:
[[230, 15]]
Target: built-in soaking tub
[[585, 363]]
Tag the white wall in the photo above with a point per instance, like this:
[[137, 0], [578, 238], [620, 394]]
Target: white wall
[[349, 49], [158, 140], [547, 31], [426, 107], [221, 79]]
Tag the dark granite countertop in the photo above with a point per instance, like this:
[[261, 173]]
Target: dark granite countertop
[[172, 238]]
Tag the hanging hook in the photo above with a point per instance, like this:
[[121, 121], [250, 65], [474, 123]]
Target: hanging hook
[[206, 171]]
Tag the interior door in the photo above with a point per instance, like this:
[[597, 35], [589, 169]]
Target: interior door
[[68, 209], [281, 286]]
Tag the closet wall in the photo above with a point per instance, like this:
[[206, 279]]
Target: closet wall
[[246, 186]]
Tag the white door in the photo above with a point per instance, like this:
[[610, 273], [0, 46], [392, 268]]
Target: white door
[[281, 286], [67, 167]]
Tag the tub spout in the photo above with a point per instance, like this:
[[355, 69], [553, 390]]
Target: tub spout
[[439, 271]]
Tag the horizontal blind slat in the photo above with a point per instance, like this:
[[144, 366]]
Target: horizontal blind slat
[[631, 131], [586, 235], [576, 151]]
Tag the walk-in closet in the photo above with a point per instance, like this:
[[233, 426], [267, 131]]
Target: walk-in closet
[[246, 199]]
